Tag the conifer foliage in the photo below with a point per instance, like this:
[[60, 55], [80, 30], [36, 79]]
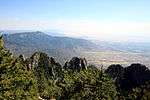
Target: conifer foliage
[[16, 82], [40, 76]]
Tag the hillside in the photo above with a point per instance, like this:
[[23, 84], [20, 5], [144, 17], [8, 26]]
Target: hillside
[[64, 48], [40, 77], [61, 48]]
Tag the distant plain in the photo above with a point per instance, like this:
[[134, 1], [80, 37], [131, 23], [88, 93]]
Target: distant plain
[[107, 58]]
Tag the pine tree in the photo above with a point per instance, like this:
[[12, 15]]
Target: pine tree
[[16, 82], [88, 84]]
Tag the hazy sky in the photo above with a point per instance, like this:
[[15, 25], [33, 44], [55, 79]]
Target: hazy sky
[[118, 20]]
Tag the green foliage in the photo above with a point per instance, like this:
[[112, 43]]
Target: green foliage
[[16, 83], [132, 82], [46, 72], [1, 42], [88, 84], [140, 93], [41, 76]]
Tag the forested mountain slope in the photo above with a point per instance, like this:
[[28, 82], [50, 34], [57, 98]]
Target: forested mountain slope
[[61, 48]]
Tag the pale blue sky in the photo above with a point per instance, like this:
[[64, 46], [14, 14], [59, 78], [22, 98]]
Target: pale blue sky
[[137, 10], [107, 19]]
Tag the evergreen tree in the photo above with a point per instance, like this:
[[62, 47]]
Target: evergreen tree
[[16, 83], [88, 84], [48, 74], [141, 92]]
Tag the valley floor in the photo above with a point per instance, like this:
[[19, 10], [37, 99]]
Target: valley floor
[[107, 58]]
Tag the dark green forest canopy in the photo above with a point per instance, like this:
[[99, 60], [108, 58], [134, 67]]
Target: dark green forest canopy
[[16, 82], [41, 76]]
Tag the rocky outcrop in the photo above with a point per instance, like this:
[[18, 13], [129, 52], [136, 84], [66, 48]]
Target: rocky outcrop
[[129, 77], [135, 75], [76, 64], [42, 62]]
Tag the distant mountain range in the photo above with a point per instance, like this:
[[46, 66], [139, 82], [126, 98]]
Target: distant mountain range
[[64, 48], [60, 47], [132, 47]]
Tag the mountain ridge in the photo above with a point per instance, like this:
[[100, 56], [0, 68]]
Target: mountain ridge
[[29, 42]]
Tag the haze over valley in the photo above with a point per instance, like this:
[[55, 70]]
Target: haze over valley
[[63, 48], [74, 49]]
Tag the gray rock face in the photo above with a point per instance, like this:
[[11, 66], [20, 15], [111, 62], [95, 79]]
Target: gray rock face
[[76, 64], [42, 62]]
